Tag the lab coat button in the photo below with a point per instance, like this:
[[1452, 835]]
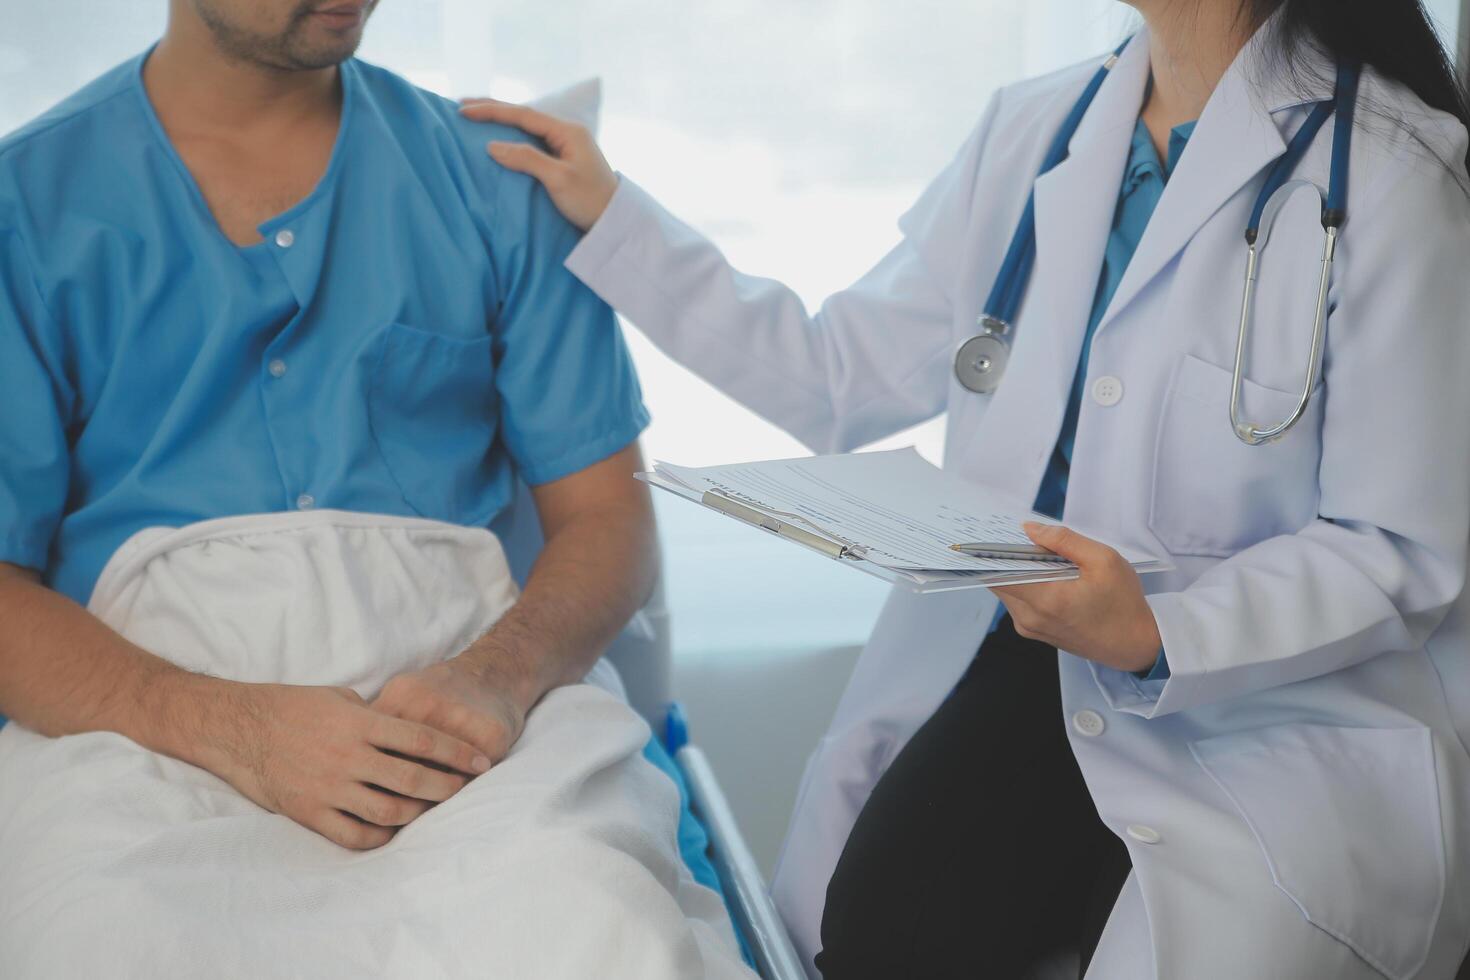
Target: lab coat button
[[277, 368], [305, 502], [1088, 723], [1142, 834], [1107, 390], [285, 238]]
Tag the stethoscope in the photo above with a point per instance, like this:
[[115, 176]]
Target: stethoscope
[[981, 360]]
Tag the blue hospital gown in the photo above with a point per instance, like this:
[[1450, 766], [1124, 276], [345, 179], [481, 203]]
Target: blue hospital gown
[[404, 341]]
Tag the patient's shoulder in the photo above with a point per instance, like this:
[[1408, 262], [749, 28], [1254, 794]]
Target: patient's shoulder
[[64, 160], [423, 119], [432, 135], [54, 131]]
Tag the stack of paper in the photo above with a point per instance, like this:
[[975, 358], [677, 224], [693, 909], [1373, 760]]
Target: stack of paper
[[891, 514]]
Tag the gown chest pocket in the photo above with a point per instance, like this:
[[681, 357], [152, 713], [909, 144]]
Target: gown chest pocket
[[434, 411], [1212, 494]]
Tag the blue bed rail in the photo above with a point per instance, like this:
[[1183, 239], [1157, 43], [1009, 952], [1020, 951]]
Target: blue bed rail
[[758, 925]]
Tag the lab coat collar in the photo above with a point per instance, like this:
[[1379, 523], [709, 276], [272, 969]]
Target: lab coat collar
[[1237, 137], [1266, 86], [1312, 80], [1234, 141], [1117, 103]]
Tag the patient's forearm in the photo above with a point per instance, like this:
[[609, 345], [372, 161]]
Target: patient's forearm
[[596, 571], [588, 582], [62, 672], [311, 753]]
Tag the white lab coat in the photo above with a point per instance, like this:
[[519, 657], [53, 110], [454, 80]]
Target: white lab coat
[[1303, 774]]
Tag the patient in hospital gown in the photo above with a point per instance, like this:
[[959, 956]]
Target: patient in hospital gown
[[277, 341]]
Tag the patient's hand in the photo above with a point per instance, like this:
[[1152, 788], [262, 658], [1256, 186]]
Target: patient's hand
[[461, 698], [324, 758], [598, 566]]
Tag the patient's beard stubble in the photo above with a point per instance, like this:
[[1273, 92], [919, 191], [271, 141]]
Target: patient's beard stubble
[[288, 49]]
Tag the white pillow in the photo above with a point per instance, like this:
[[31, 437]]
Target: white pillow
[[580, 103]]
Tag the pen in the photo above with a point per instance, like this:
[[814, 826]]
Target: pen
[[769, 522], [997, 549]]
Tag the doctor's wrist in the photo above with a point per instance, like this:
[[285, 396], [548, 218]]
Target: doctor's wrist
[[1143, 653], [1141, 644]]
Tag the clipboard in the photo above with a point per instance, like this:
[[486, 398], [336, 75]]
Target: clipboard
[[812, 537]]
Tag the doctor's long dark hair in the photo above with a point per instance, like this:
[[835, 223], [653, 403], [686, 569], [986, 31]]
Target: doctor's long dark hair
[[1395, 37]]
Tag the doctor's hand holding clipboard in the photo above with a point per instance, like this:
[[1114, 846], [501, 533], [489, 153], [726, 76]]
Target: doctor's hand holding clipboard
[[1206, 294]]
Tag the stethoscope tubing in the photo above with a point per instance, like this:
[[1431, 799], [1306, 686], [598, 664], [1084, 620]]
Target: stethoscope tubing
[[1003, 303]]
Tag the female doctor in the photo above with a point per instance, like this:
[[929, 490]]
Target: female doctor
[[1253, 765]]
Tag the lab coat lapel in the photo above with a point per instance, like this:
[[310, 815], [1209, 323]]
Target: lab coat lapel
[[1075, 202], [1233, 143]]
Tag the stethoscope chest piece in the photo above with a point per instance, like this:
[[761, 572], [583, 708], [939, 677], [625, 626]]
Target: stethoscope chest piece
[[981, 360]]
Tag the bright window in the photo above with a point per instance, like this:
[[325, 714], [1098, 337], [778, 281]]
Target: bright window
[[795, 134]]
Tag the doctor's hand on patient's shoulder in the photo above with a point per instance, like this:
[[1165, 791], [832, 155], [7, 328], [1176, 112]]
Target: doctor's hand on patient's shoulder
[[574, 173], [463, 697], [324, 758], [1101, 616]]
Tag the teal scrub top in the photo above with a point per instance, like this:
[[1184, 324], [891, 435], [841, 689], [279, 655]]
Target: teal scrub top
[[404, 341], [1143, 184]]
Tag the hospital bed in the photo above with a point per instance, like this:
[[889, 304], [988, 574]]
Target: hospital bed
[[643, 655]]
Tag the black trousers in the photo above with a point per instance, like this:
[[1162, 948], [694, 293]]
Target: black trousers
[[980, 850]]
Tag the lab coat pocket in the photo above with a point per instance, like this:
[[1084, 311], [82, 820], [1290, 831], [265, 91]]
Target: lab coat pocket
[[1349, 823], [1212, 494], [433, 408]]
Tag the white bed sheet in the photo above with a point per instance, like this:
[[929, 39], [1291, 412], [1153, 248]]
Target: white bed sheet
[[561, 862]]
